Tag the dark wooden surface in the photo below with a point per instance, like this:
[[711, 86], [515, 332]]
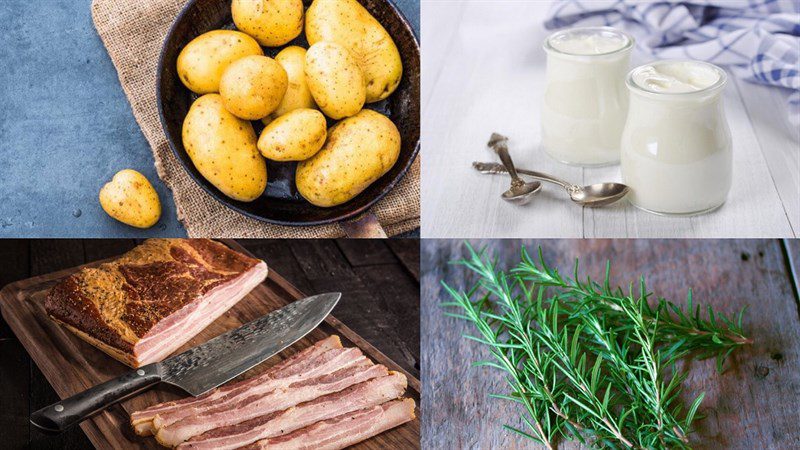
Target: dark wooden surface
[[380, 279], [754, 404]]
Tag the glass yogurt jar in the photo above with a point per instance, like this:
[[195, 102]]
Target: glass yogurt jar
[[676, 147], [585, 99]]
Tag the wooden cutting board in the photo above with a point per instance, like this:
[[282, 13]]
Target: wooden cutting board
[[72, 365]]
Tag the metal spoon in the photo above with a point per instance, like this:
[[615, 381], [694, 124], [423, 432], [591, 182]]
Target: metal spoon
[[593, 196], [520, 192]]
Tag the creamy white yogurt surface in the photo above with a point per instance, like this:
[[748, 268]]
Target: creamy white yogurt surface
[[588, 43], [675, 77]]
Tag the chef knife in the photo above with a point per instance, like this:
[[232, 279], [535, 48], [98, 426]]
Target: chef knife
[[201, 368]]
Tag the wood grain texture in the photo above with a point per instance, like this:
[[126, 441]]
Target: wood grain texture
[[71, 365], [485, 72], [752, 405]]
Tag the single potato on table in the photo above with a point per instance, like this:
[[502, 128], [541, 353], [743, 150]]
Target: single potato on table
[[294, 136], [130, 198], [335, 80], [293, 61], [253, 87], [202, 61], [223, 149], [350, 25], [271, 22], [358, 151]]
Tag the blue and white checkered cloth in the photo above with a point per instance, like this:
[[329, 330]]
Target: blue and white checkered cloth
[[758, 40]]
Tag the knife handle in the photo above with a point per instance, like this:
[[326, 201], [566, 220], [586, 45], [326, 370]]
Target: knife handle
[[59, 416]]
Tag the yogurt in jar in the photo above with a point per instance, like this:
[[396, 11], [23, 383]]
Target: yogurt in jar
[[676, 146], [585, 99]]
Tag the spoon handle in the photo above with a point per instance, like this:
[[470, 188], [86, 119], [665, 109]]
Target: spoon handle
[[498, 144], [497, 168]]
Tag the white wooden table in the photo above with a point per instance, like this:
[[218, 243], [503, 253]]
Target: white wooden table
[[483, 71]]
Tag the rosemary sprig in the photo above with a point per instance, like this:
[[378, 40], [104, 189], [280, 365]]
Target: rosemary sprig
[[587, 362], [686, 331]]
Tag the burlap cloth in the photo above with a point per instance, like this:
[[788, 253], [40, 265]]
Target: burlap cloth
[[133, 32]]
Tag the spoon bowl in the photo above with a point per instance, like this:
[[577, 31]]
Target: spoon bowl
[[597, 195], [520, 194]]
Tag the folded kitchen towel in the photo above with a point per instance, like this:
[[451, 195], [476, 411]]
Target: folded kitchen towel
[[133, 33], [758, 40]]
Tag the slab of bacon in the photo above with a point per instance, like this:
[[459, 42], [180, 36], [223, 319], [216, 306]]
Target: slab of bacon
[[320, 384]]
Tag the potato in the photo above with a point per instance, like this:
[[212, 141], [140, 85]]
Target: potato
[[359, 150], [223, 148], [130, 198], [335, 80], [272, 22], [202, 61], [252, 87], [293, 60], [347, 23], [294, 136]]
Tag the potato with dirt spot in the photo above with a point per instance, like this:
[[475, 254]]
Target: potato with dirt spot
[[335, 80], [349, 24], [252, 87], [271, 22], [294, 136], [202, 61], [293, 61], [130, 198], [358, 151], [223, 149]]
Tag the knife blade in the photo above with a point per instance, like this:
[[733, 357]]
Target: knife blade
[[200, 368]]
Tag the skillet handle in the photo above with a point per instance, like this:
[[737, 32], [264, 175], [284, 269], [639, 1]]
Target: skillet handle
[[365, 227]]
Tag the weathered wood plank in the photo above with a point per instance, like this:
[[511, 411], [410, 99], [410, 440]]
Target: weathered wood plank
[[752, 405], [280, 258], [792, 249], [14, 397], [370, 252], [97, 249], [407, 251], [779, 141]]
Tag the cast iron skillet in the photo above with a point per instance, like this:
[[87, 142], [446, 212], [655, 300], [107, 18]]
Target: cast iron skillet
[[280, 203]]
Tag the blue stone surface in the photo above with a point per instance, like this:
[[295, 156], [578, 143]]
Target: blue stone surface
[[66, 126]]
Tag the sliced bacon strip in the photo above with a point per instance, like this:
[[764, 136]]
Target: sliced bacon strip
[[233, 412], [300, 362], [363, 395], [328, 362], [344, 430]]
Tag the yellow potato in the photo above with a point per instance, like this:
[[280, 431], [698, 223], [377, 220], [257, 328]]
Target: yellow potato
[[223, 148], [130, 198], [252, 87], [202, 61], [293, 60], [272, 22], [294, 136], [359, 150], [347, 23], [335, 80]]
